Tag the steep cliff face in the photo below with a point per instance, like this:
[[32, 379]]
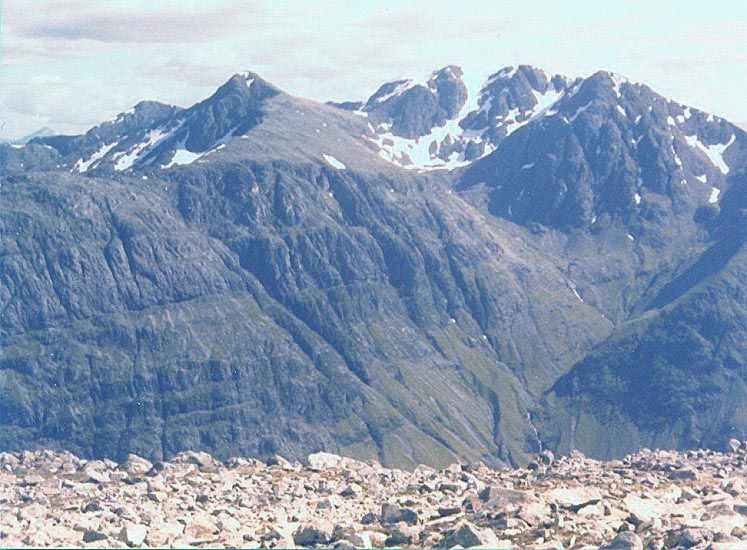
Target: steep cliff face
[[260, 308], [672, 375], [259, 273]]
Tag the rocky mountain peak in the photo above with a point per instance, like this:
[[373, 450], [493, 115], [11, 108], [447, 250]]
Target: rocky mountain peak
[[247, 84], [449, 72], [451, 92], [40, 133], [91, 148], [411, 109], [454, 129], [524, 77], [388, 91], [140, 116], [580, 136], [512, 97]]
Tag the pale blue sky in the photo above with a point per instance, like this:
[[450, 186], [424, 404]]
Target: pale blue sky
[[72, 64]]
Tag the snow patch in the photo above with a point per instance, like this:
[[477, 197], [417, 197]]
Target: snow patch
[[545, 100], [83, 165], [398, 90], [421, 152], [214, 149], [579, 111], [714, 152], [120, 116], [123, 161], [221, 143], [182, 156], [485, 105], [637, 198], [702, 179], [153, 139], [513, 124], [334, 162], [617, 82], [715, 192], [572, 286], [677, 159], [505, 73], [436, 150]]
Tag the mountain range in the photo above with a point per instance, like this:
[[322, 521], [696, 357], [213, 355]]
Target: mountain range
[[41, 132], [428, 275]]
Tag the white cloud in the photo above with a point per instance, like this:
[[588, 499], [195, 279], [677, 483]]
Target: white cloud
[[126, 22], [69, 65]]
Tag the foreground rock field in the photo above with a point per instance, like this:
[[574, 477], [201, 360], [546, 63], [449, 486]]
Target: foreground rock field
[[652, 499]]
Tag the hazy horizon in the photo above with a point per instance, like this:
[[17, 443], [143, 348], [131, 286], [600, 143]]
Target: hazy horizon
[[70, 67]]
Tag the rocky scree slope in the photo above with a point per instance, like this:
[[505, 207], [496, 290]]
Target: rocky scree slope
[[651, 499]]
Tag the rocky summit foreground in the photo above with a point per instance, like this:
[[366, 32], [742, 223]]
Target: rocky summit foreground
[[651, 499]]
